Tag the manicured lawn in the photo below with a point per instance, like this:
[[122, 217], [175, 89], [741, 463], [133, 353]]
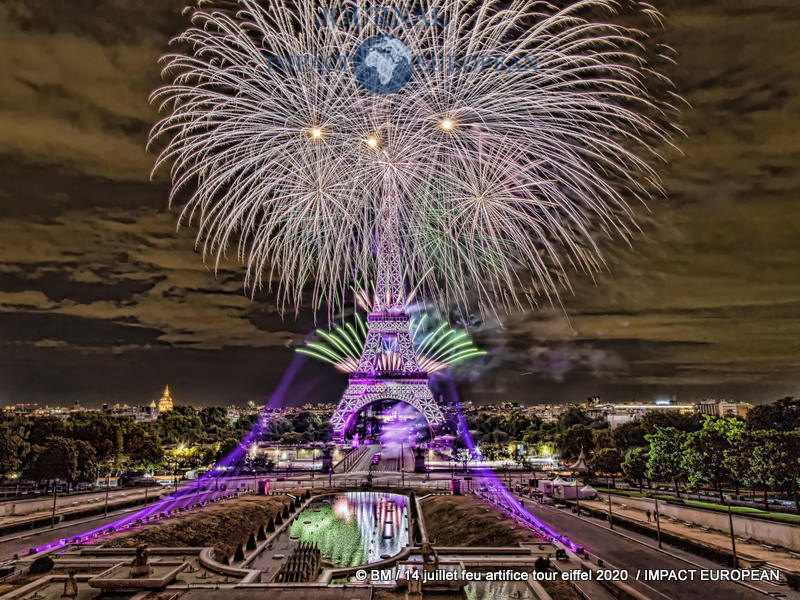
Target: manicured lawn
[[628, 493], [740, 510], [746, 510]]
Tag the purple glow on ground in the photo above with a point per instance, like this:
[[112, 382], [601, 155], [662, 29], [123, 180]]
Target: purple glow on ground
[[212, 485], [209, 487], [502, 498]]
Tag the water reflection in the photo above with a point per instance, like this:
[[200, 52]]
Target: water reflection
[[354, 528]]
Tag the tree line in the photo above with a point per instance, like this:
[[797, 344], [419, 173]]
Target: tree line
[[690, 451], [88, 445]]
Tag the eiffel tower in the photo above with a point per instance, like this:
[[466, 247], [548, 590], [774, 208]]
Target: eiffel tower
[[388, 368]]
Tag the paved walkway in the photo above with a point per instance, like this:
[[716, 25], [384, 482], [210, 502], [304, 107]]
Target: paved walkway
[[81, 503], [752, 550]]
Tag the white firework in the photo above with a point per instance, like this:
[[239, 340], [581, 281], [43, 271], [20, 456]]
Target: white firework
[[496, 182]]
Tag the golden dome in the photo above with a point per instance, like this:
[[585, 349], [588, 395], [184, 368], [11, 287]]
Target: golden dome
[[165, 404]]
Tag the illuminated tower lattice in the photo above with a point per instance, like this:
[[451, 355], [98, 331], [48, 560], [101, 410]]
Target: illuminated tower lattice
[[388, 368]]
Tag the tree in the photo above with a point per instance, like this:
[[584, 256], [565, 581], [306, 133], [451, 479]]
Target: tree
[[276, 428], [571, 417], [607, 461], [629, 435], [57, 458], [180, 425], [664, 457], [533, 436], [291, 438], [662, 419], [783, 415], [705, 451], [87, 465], [517, 423], [736, 457], [603, 438], [244, 425], [215, 423], [13, 449], [775, 461], [40, 429], [498, 436], [218, 450], [142, 448], [304, 420], [571, 442], [635, 465], [463, 455], [98, 430], [494, 452]]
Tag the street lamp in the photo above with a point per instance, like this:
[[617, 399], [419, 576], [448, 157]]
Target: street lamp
[[733, 537], [658, 522], [108, 484], [55, 491]]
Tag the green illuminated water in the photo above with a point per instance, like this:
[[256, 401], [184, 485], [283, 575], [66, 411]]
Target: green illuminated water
[[355, 528]]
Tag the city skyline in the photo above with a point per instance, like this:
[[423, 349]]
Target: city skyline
[[100, 298]]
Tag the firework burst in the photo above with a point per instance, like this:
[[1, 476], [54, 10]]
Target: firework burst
[[497, 182], [438, 346]]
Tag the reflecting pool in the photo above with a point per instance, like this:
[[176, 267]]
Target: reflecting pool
[[354, 528]]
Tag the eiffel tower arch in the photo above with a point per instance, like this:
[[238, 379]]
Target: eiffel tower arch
[[388, 368]]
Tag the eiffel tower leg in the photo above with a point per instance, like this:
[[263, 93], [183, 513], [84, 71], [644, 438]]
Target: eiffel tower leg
[[350, 404]]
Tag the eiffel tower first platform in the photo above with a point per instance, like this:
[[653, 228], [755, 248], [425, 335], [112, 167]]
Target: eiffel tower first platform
[[388, 368]]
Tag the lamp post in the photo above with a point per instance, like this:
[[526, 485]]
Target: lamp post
[[55, 491], [108, 484], [610, 516], [733, 537], [658, 522]]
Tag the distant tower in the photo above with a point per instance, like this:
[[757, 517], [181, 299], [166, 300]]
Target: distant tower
[[165, 404]]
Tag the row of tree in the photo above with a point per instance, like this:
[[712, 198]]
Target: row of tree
[[689, 450], [88, 445]]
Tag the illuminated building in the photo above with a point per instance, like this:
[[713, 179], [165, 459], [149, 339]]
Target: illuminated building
[[165, 404]]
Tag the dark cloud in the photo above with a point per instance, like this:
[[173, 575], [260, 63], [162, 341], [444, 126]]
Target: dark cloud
[[46, 330], [101, 299]]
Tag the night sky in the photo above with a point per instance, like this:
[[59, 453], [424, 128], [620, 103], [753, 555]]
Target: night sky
[[101, 300]]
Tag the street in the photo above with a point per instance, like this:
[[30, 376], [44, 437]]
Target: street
[[620, 552]]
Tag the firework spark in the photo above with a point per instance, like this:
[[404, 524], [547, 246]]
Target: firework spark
[[438, 346], [498, 181]]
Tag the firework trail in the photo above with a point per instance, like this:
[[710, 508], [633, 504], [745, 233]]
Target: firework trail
[[497, 182], [438, 346]]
